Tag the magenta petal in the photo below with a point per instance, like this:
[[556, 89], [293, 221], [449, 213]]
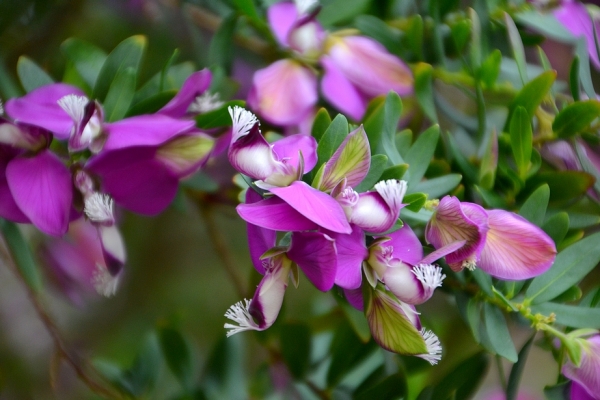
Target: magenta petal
[[407, 246], [575, 17], [317, 206], [351, 252], [8, 208], [340, 92], [144, 130], [40, 108], [372, 213], [315, 254], [578, 392], [41, 187], [401, 281], [275, 214], [135, 179], [442, 252], [287, 150], [196, 84], [281, 18], [515, 248], [355, 298], [283, 93], [259, 239], [252, 155]]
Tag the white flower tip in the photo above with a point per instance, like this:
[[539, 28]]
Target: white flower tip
[[392, 192], [99, 208], [73, 105], [434, 348], [243, 120], [240, 314], [105, 283], [430, 275], [470, 264], [304, 6], [205, 103]]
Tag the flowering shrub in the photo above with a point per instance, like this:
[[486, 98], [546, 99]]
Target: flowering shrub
[[424, 175]]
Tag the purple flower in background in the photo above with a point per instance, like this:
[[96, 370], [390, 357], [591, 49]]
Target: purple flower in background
[[501, 243], [193, 97], [585, 376], [578, 20]]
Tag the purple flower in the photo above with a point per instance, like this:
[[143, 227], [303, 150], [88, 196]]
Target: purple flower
[[577, 19], [193, 97], [586, 375], [501, 243]]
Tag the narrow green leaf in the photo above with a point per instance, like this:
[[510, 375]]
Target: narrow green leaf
[[295, 347], [394, 172], [534, 208], [489, 162], [572, 294], [572, 316], [218, 118], [31, 75], [415, 201], [490, 69], [151, 104], [21, 254], [127, 54], [392, 387], [462, 380], [557, 226], [585, 75], [120, 94], [164, 72], [499, 335], [516, 372], [221, 46], [320, 124], [461, 32], [521, 139], [575, 118], [574, 79], [144, 372], [177, 354], [437, 187], [247, 8], [475, 47], [87, 58], [378, 163], [532, 94], [356, 319], [331, 140], [564, 185], [517, 47], [415, 36], [338, 11], [570, 266], [483, 280], [387, 120], [558, 392], [424, 90], [420, 154]]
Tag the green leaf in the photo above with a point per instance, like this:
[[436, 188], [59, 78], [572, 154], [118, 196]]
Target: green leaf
[[31, 75], [557, 226], [521, 139], [581, 51], [439, 186], [151, 104], [574, 79], [144, 372], [378, 163], [570, 266], [564, 185], [424, 89], [295, 348], [516, 372], [86, 57], [517, 47], [247, 8], [532, 94], [392, 387], [534, 208], [461, 32], [320, 124], [127, 54], [347, 351], [572, 316], [498, 333], [217, 118], [178, 356], [380, 31], [120, 94], [338, 11], [331, 140], [490, 69], [415, 201], [356, 320], [420, 154], [489, 162], [575, 118], [21, 254], [558, 392], [573, 293], [462, 381], [394, 172], [381, 127], [414, 36], [483, 280], [220, 51], [475, 48]]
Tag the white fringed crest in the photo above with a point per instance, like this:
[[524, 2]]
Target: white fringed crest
[[243, 120], [430, 275], [392, 192], [434, 348], [240, 314]]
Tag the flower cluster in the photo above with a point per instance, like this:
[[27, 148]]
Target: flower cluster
[[330, 226], [61, 160]]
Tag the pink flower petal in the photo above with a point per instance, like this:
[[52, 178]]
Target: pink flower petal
[[275, 214], [41, 186], [259, 239], [317, 206], [515, 248], [407, 246], [288, 148], [372, 213], [196, 84], [355, 298], [8, 208], [340, 92], [315, 254], [282, 17], [284, 92], [351, 252]]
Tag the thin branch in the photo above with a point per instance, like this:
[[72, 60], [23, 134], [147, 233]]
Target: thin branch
[[55, 334], [222, 249]]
